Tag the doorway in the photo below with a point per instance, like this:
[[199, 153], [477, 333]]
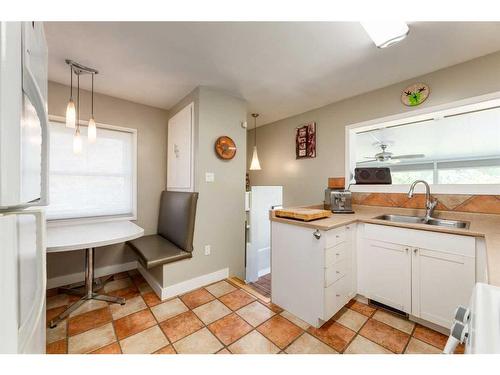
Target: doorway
[[259, 200]]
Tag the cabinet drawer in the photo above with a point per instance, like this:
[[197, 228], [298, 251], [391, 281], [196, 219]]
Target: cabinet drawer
[[335, 236], [336, 296], [336, 272], [337, 253]]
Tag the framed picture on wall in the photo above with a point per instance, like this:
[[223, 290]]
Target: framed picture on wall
[[305, 141]]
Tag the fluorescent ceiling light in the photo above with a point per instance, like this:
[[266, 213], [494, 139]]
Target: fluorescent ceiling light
[[386, 33]]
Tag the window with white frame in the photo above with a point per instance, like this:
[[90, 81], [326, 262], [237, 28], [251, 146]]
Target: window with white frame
[[99, 182], [458, 148]]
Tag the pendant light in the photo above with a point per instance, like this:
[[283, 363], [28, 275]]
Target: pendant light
[[77, 138], [92, 129], [70, 109], [72, 114], [255, 164]]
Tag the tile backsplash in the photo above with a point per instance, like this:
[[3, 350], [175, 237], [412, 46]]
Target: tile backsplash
[[489, 204]]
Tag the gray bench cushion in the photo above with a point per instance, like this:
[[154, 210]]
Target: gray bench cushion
[[154, 250], [174, 240], [177, 218]]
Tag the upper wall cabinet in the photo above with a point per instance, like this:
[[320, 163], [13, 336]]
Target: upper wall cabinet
[[180, 162]]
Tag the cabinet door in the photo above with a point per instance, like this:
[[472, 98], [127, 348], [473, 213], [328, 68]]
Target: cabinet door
[[386, 269], [441, 282], [180, 151], [297, 281]]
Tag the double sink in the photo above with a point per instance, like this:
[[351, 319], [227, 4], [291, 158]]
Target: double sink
[[421, 220]]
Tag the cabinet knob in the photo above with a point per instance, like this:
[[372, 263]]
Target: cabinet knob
[[317, 234], [415, 251], [406, 249]]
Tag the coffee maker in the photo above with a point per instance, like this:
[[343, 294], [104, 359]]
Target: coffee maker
[[338, 201]]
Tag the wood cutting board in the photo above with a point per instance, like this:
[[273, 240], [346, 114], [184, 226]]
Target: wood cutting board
[[304, 214]]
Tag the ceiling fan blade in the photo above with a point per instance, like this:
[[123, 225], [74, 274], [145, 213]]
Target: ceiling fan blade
[[366, 161], [410, 156]]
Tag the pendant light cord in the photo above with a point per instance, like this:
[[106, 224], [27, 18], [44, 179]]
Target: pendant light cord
[[92, 102], [78, 103], [255, 131], [71, 80]]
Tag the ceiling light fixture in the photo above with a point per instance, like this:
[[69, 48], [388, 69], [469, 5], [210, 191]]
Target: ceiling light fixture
[[70, 109], [92, 130], [72, 115], [255, 164], [77, 139], [386, 33]]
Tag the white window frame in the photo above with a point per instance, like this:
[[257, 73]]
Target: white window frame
[[476, 103], [108, 218]]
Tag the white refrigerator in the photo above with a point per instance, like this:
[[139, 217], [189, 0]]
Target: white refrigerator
[[259, 201], [23, 186]]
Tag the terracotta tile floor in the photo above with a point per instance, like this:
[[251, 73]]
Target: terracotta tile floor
[[222, 318]]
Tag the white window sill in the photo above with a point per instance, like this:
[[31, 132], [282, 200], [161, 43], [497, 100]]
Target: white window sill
[[435, 189]]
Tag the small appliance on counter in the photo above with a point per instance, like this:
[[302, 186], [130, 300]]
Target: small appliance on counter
[[339, 201]]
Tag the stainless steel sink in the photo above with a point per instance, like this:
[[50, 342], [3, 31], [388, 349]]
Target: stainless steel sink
[[421, 220]]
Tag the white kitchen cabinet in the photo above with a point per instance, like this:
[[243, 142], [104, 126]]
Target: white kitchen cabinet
[[441, 281], [425, 274], [312, 270], [386, 268], [180, 157]]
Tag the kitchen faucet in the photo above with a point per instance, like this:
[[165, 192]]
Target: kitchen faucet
[[430, 204]]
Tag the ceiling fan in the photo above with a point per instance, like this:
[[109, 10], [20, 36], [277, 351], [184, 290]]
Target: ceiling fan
[[388, 157]]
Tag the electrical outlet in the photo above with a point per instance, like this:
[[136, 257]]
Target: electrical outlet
[[209, 177], [207, 249]]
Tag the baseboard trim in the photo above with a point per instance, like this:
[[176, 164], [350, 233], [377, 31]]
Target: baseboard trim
[[72, 278], [153, 283], [265, 271], [185, 286]]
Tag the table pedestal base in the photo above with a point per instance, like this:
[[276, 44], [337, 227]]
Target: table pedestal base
[[88, 293]]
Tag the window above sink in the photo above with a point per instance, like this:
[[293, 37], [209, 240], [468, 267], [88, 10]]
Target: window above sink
[[454, 147]]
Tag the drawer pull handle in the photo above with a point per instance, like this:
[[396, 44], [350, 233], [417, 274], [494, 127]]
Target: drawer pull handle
[[337, 295], [337, 254], [338, 272], [317, 234], [337, 236]]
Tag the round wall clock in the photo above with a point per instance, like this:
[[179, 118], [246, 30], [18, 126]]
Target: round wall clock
[[415, 94], [225, 148]]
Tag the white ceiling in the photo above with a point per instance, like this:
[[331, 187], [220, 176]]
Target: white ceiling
[[281, 69]]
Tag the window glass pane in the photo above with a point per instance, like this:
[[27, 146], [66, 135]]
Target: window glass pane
[[97, 182], [407, 177], [471, 175], [465, 149]]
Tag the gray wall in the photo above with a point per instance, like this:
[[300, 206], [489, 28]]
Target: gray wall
[[305, 180], [151, 124], [220, 217]]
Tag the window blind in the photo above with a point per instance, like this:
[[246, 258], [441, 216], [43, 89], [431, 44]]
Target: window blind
[[98, 182]]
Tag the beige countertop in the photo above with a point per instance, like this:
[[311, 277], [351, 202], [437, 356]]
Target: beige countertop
[[481, 225]]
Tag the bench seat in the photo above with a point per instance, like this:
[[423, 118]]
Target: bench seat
[[174, 238], [155, 250]]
